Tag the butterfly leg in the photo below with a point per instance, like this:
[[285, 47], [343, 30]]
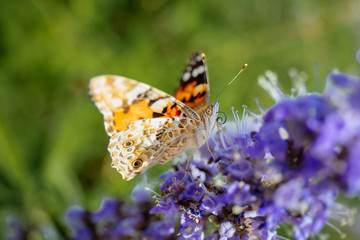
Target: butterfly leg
[[187, 165], [208, 146]]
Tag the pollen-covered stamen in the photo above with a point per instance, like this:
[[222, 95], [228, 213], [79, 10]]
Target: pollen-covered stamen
[[342, 214], [269, 82]]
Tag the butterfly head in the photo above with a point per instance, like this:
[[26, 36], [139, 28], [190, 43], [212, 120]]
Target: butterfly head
[[209, 115]]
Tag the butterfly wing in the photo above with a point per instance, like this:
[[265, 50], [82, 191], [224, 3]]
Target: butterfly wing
[[123, 101], [146, 125], [150, 141], [194, 86]]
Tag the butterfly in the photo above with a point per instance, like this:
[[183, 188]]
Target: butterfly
[[147, 126]]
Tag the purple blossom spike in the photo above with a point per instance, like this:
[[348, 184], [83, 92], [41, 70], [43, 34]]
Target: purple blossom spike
[[286, 169]]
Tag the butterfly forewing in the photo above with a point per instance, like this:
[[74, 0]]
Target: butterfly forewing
[[123, 101], [194, 88]]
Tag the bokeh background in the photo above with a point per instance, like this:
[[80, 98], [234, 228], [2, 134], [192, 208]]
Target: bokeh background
[[52, 140]]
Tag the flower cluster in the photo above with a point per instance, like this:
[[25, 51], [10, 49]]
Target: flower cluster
[[246, 181], [119, 220], [288, 170], [18, 231]]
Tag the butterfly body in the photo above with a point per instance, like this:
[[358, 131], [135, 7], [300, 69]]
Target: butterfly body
[[147, 126]]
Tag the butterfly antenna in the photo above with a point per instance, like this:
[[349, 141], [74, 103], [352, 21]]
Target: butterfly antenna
[[242, 69]]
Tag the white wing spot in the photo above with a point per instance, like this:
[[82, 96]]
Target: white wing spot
[[198, 58], [188, 68], [160, 104], [186, 76], [201, 69], [119, 83], [151, 95], [116, 102], [133, 93], [195, 72]]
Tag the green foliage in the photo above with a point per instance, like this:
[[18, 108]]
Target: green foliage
[[52, 141]]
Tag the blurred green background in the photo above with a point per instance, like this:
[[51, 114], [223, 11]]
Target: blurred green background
[[52, 140]]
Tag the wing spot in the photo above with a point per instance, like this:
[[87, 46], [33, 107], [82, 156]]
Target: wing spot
[[195, 73], [200, 69], [186, 76], [160, 134], [137, 163], [183, 121], [128, 143], [164, 110], [116, 102], [156, 115]]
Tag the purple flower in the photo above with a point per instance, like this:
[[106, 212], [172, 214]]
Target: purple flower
[[239, 194], [192, 192], [116, 219], [212, 203], [239, 170], [18, 231], [226, 230], [173, 178], [166, 205], [289, 170], [191, 225], [343, 91], [159, 230], [80, 221], [140, 195]]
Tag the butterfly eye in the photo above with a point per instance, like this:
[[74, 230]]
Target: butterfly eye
[[137, 163], [208, 111], [128, 143]]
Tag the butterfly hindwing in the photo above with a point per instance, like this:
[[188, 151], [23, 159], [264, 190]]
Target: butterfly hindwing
[[150, 141]]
